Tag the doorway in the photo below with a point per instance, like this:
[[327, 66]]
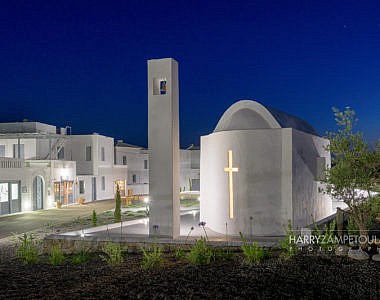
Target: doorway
[[10, 197], [63, 192], [38, 193]]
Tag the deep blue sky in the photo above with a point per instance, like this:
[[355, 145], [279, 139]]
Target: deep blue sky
[[83, 63]]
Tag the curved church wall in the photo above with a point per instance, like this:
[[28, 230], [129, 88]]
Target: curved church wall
[[261, 187]]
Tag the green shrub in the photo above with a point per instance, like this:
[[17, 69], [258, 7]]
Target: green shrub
[[179, 253], [80, 257], [288, 245], [27, 251], [113, 254], [94, 218], [326, 238], [200, 253], [117, 213], [253, 253], [56, 256], [152, 259]]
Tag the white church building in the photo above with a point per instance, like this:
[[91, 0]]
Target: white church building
[[260, 168]]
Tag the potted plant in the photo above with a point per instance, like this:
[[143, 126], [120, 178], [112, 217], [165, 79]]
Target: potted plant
[[81, 200]]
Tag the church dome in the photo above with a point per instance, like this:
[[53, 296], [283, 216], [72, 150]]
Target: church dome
[[248, 114]]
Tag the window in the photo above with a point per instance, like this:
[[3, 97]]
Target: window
[[61, 153], [134, 178], [159, 86], [81, 186], [162, 87], [16, 153], [124, 160], [14, 191], [2, 150], [4, 192], [88, 153], [145, 164], [102, 154], [103, 183]]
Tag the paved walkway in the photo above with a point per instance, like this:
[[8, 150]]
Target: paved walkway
[[138, 231], [29, 221]]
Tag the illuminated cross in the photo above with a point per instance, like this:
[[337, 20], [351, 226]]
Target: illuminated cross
[[230, 170]]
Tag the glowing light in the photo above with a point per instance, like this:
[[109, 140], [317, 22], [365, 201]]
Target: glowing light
[[27, 205], [230, 171], [146, 200], [82, 234]]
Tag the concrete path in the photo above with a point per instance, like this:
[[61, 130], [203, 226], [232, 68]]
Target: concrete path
[[29, 221], [138, 231]]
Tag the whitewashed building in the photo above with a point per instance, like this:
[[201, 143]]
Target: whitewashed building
[[260, 168], [97, 175], [137, 159], [33, 174]]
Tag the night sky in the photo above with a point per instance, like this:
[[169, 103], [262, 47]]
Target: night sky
[[83, 63]]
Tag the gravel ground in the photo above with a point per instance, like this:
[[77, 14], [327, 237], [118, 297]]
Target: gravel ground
[[305, 277]]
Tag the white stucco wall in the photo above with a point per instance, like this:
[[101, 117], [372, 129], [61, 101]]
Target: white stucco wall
[[308, 202], [262, 187]]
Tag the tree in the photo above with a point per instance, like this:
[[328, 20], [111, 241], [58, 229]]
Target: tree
[[117, 213], [354, 174]]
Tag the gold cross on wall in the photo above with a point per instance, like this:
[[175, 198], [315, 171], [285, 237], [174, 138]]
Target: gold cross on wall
[[230, 170]]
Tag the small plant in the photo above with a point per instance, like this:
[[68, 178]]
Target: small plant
[[200, 253], [80, 257], [56, 255], [94, 218], [288, 245], [117, 213], [253, 253], [179, 253], [326, 238], [113, 254], [352, 227], [27, 251], [224, 254], [203, 224], [49, 225], [152, 259]]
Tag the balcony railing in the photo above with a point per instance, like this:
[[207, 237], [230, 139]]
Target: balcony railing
[[11, 163]]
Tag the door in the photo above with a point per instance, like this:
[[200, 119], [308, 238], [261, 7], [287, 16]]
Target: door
[[93, 188], [67, 192], [38, 188], [10, 199], [15, 197]]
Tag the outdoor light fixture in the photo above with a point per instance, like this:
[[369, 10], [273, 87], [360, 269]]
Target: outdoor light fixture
[[146, 200]]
